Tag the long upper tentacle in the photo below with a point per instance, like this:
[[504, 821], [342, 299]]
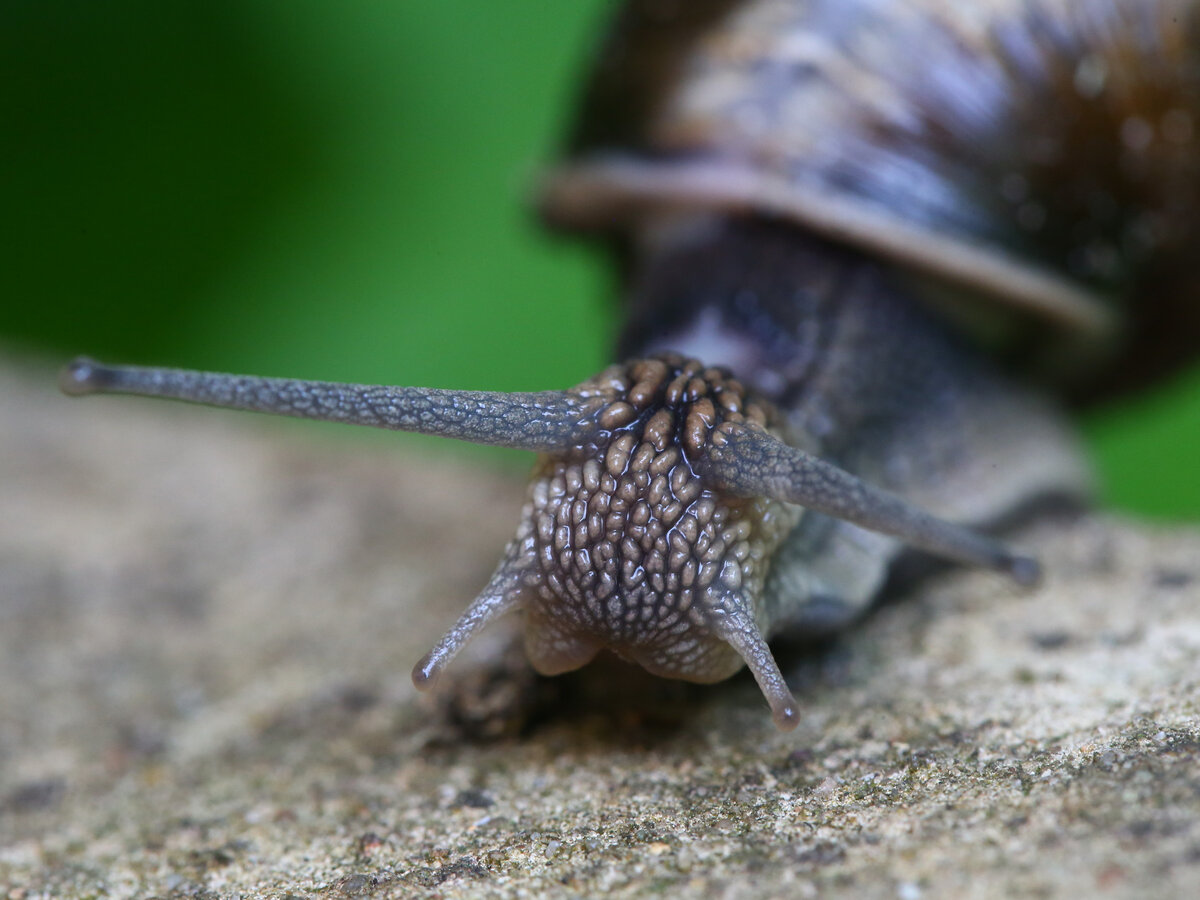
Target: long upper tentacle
[[753, 463], [547, 420]]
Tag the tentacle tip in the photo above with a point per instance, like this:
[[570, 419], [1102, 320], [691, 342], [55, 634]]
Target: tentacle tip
[[81, 376], [426, 672], [786, 713], [1024, 570]]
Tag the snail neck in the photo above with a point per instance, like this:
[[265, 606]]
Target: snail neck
[[834, 339], [864, 374]]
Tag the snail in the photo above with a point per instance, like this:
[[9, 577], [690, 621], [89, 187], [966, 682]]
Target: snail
[[869, 250]]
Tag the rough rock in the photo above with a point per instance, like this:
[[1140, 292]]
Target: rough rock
[[207, 622]]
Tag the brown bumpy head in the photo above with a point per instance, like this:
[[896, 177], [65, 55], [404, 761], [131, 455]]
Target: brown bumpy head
[[629, 549], [624, 545]]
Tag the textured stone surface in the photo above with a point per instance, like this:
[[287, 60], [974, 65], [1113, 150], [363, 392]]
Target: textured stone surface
[[206, 627]]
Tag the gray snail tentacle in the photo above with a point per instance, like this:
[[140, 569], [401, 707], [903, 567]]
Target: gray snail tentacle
[[499, 597], [755, 464], [524, 421]]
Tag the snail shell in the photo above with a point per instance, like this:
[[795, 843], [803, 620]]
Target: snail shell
[[842, 226], [1035, 162]]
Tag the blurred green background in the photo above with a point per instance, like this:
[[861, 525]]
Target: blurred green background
[[335, 190]]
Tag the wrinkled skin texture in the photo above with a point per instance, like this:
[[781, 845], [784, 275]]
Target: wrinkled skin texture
[[623, 547]]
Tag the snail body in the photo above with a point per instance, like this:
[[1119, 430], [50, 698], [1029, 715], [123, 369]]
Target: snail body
[[822, 213]]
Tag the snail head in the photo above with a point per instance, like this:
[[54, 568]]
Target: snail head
[[660, 493]]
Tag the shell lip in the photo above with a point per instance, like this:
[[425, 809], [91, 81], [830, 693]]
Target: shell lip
[[606, 190]]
